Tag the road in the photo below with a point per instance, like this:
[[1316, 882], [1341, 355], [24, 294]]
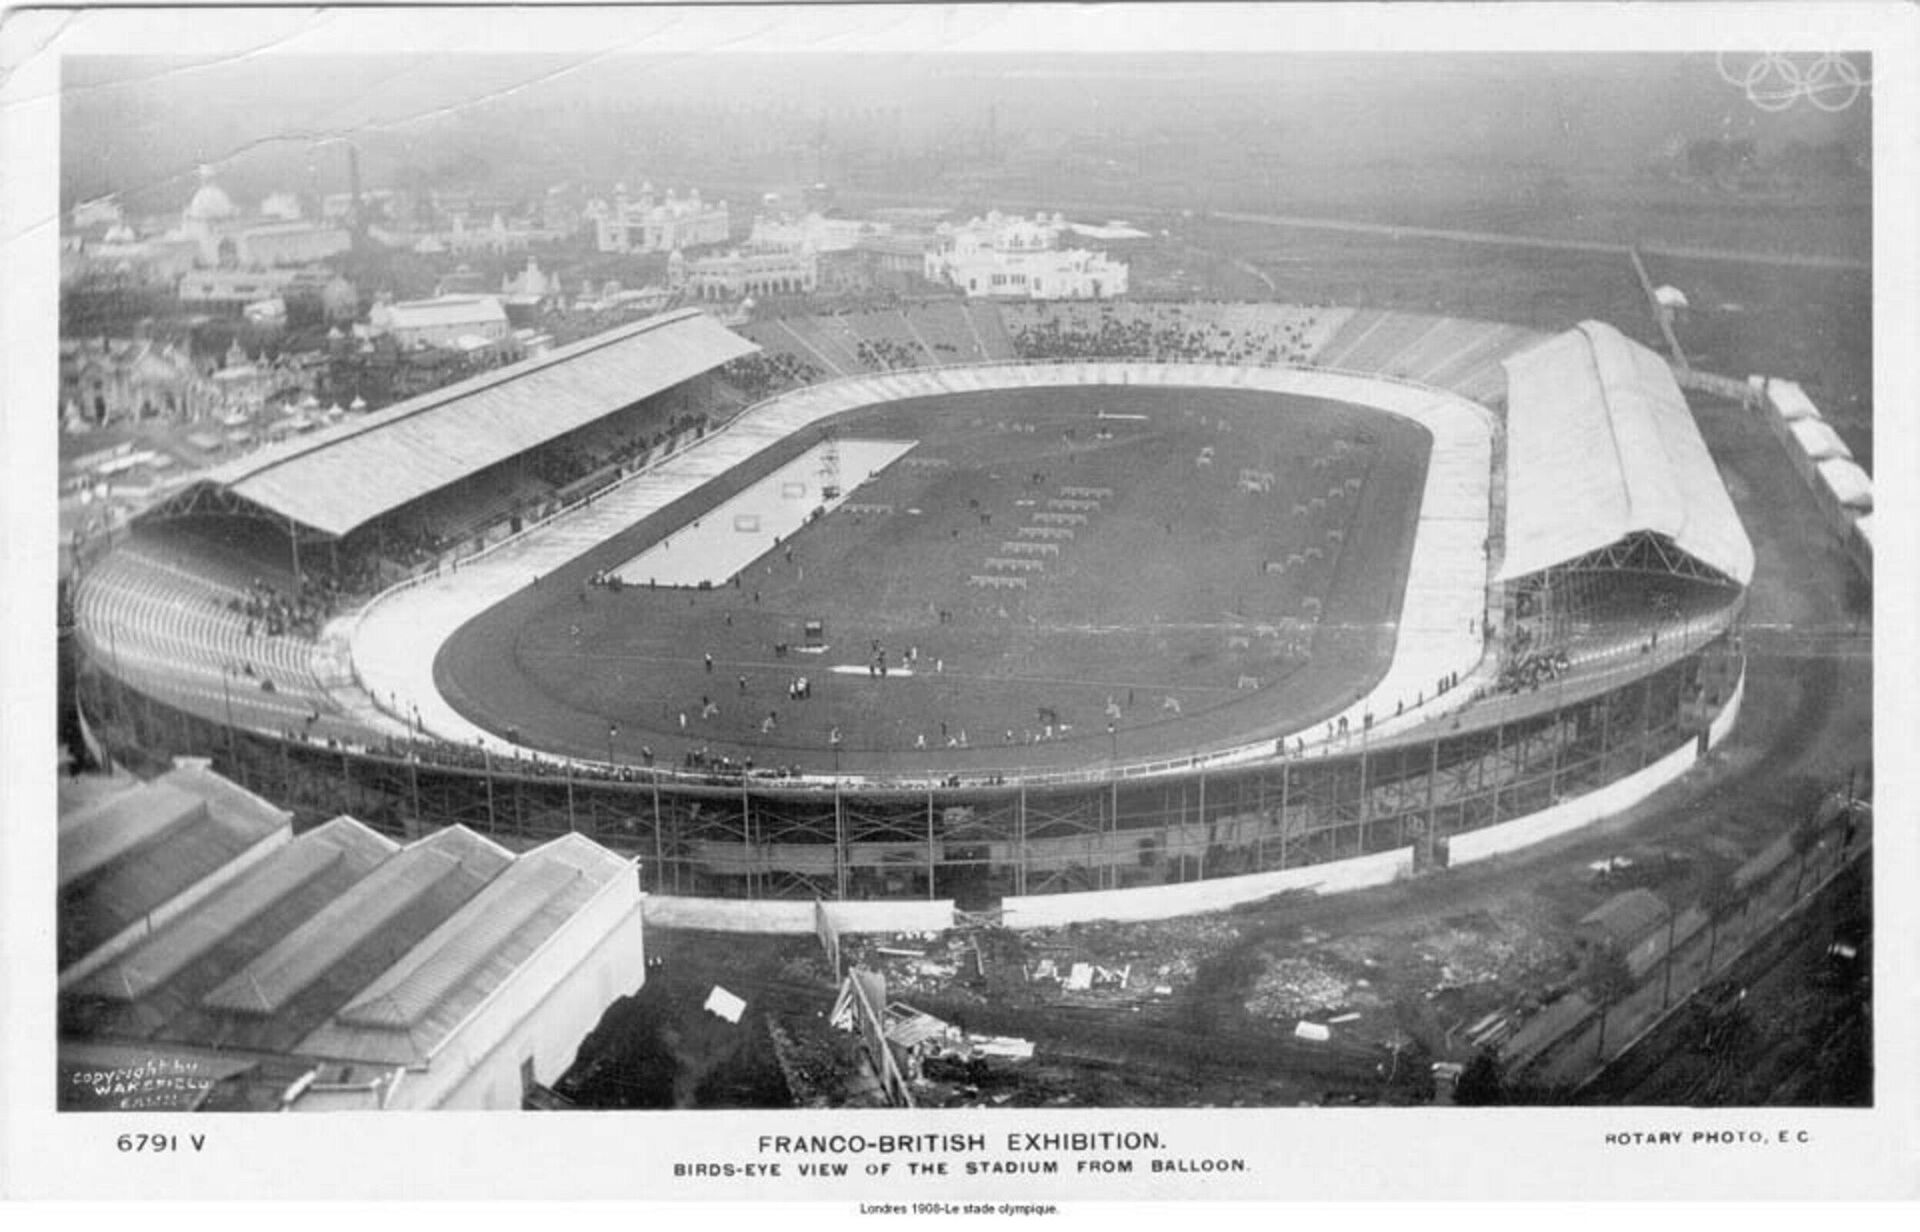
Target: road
[[1397, 231]]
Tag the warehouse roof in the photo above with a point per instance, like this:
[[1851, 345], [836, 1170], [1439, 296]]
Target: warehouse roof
[[446, 310], [344, 947], [1850, 485], [342, 477], [330, 856], [333, 937], [133, 854], [1818, 439], [404, 1016], [1600, 446], [1625, 918], [1790, 401]]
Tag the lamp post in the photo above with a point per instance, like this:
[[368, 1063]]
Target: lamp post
[[413, 757], [487, 758], [226, 692], [1113, 740], [613, 729]]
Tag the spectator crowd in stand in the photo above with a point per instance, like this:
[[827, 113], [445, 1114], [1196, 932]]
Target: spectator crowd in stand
[[1529, 672], [1172, 334], [273, 612], [765, 373], [887, 354]]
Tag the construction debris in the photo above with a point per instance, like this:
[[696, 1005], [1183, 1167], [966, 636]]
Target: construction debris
[[723, 1004], [1002, 1046], [1297, 987]]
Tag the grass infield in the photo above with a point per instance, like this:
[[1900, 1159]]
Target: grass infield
[[1235, 569]]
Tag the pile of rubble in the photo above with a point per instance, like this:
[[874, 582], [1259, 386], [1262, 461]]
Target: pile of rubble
[[1107, 961], [1300, 988], [1467, 958], [927, 963]]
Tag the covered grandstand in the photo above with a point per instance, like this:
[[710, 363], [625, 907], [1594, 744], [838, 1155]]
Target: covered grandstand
[[1602, 451], [1615, 512], [219, 595], [1632, 588], [339, 480]]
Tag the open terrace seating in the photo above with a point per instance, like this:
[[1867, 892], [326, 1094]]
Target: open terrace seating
[[822, 337], [956, 332], [169, 606], [786, 358], [1227, 333], [1381, 346]]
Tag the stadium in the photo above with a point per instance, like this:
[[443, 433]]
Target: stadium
[[1056, 611]]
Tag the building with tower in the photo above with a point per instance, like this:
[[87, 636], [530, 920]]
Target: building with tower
[[1010, 257], [224, 236], [657, 224]]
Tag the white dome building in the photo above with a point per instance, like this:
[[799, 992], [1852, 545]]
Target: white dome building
[[210, 203]]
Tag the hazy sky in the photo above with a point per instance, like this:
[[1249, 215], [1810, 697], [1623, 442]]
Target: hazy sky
[[142, 124]]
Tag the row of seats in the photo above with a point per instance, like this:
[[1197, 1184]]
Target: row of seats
[[1448, 352], [1229, 333], [156, 611], [881, 340]]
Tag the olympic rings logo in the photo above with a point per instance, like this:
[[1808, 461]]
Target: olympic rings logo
[[1774, 81]]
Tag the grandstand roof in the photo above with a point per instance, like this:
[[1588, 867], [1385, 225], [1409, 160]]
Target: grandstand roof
[[1600, 446], [343, 477]]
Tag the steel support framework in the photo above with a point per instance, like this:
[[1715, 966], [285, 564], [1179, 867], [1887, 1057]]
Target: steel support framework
[[974, 844]]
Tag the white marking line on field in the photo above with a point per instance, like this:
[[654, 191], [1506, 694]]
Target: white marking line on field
[[710, 550]]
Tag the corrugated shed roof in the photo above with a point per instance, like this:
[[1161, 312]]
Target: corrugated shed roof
[[112, 827], [1601, 445], [238, 907], [343, 477], [446, 310], [1790, 401], [1626, 917], [1545, 1028], [405, 1014], [1818, 439], [270, 981], [222, 794], [399, 999], [139, 878], [373, 952], [1850, 485]]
